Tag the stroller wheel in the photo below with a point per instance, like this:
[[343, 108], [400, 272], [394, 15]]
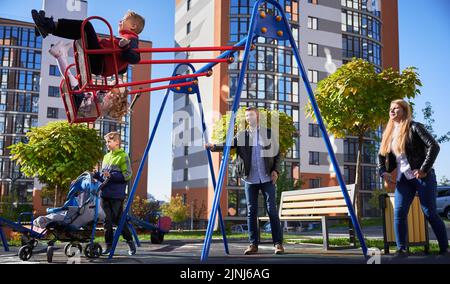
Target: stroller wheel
[[97, 250], [25, 252], [93, 251], [68, 249], [50, 250]]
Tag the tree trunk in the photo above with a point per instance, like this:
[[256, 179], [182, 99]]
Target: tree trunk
[[55, 201], [358, 178]]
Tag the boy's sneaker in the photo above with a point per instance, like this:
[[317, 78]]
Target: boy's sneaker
[[60, 49], [252, 249], [44, 25], [131, 248], [107, 250], [279, 249]]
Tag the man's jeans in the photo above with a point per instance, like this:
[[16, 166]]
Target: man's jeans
[[251, 193], [404, 195]]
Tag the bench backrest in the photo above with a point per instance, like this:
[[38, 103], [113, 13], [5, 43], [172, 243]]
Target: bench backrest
[[325, 201]]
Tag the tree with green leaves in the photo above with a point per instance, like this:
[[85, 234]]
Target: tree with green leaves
[[444, 181], [429, 121], [56, 154], [356, 99], [144, 208], [175, 209], [285, 183]]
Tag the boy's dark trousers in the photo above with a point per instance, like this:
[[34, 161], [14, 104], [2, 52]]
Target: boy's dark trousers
[[113, 210], [71, 29]]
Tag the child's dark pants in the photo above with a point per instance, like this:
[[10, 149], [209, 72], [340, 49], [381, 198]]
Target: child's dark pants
[[113, 211], [71, 29]]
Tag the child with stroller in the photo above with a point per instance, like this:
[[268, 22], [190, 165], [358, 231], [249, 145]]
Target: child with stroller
[[116, 167]]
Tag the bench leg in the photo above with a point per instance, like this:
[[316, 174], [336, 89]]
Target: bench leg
[[351, 233], [326, 245], [259, 230]]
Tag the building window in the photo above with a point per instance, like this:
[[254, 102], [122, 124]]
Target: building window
[[313, 76], [370, 179], [53, 91], [314, 130], [47, 201], [349, 174], [312, 23], [185, 174], [314, 182], [350, 150], [52, 112], [54, 71], [365, 48], [312, 49], [188, 28], [189, 4], [314, 158], [315, 2]]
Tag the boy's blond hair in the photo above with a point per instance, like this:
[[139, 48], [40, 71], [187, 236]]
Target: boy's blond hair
[[114, 135], [139, 20]]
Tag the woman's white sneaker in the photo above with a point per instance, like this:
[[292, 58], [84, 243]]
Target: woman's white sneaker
[[60, 49]]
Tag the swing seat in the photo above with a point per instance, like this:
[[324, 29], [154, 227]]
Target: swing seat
[[88, 109]]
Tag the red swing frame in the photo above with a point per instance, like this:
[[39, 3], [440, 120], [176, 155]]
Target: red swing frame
[[85, 80]]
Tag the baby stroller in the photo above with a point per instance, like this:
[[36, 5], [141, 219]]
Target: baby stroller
[[75, 222]]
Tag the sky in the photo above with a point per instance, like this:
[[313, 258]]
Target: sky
[[424, 27]]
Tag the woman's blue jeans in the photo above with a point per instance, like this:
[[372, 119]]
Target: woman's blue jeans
[[404, 195]]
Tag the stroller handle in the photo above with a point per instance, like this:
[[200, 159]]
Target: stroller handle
[[105, 181]]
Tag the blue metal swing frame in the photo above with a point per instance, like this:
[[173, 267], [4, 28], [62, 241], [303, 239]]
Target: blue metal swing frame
[[188, 90], [277, 27], [265, 25]]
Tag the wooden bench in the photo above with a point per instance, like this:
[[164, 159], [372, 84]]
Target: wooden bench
[[318, 204]]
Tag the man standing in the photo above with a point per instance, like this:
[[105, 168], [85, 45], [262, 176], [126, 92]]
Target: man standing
[[259, 150]]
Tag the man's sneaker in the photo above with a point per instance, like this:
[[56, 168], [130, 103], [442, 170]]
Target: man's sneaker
[[131, 248], [107, 250], [44, 25], [252, 249], [60, 49], [279, 249]]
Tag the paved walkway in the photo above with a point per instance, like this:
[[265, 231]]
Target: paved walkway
[[189, 251]]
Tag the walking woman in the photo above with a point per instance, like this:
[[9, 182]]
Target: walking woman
[[410, 148]]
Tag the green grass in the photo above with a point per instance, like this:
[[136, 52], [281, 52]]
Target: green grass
[[370, 243], [183, 235], [200, 235], [365, 222]]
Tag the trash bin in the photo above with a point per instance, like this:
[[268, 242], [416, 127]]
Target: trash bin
[[417, 225]]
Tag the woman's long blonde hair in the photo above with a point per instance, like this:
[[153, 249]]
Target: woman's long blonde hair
[[404, 124]]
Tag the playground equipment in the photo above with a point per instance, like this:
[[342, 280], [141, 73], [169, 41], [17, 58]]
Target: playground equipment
[[264, 22], [83, 195], [87, 84], [27, 232]]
